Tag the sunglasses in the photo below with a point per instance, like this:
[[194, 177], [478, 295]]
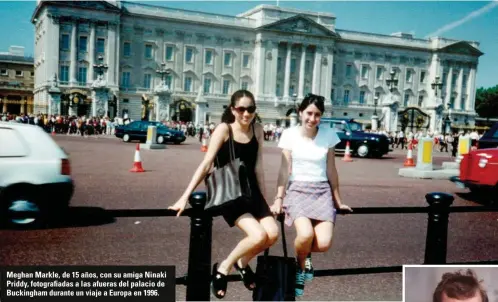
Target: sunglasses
[[314, 96], [241, 109]]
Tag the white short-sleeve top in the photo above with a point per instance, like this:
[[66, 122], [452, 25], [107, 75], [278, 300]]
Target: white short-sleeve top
[[309, 156]]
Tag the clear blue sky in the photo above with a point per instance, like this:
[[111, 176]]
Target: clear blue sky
[[421, 18]]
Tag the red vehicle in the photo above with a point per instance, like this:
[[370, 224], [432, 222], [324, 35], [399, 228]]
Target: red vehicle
[[479, 173]]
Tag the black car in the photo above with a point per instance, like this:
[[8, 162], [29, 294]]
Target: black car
[[489, 139], [361, 143], [137, 130]]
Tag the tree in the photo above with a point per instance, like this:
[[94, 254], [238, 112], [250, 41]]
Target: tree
[[487, 102]]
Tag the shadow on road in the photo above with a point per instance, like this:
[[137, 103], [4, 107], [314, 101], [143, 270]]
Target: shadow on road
[[481, 199], [73, 217]]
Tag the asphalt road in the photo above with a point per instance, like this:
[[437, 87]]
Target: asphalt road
[[101, 171]]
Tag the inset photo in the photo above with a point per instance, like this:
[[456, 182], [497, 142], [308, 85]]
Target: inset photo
[[450, 283]]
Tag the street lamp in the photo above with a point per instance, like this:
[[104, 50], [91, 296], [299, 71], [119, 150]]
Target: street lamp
[[376, 100], [392, 82], [100, 67], [294, 98], [163, 72], [436, 84]]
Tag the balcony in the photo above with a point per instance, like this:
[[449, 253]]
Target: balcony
[[16, 86]]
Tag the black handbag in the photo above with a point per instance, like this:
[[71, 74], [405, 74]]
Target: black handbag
[[275, 275], [228, 184]]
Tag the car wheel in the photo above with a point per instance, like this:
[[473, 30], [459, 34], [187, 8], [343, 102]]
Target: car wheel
[[126, 138], [362, 151], [19, 202], [160, 139]]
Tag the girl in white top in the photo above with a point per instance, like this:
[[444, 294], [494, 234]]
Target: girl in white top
[[309, 173]]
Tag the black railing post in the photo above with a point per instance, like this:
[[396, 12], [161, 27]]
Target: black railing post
[[199, 257], [437, 227]]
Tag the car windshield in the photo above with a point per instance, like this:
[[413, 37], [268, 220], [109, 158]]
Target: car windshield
[[354, 126]]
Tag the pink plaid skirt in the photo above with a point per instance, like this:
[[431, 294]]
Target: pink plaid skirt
[[309, 199]]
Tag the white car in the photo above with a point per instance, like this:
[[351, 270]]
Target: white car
[[35, 173]]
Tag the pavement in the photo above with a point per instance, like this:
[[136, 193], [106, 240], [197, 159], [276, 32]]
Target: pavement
[[103, 181]]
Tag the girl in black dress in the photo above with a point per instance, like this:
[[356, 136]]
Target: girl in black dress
[[253, 218]]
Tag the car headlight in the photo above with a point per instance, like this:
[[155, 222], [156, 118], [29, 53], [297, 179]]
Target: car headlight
[[483, 162]]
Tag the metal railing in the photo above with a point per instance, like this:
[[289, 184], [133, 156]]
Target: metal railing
[[197, 279]]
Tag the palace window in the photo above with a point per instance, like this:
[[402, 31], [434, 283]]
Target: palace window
[[19, 73], [278, 91], [4, 72], [83, 43], [364, 72], [346, 96], [244, 85], [127, 49], [187, 85], [65, 42], [207, 85], [349, 68], [420, 100], [451, 105], [148, 51], [64, 74], [169, 53], [379, 74], [406, 101], [189, 55], [462, 103], [291, 90], [125, 79], [307, 65], [82, 75], [100, 45], [169, 81], [279, 63], [464, 81], [454, 79], [409, 76], [228, 59], [293, 65], [422, 77], [362, 97], [147, 80], [226, 86], [245, 61], [208, 58]]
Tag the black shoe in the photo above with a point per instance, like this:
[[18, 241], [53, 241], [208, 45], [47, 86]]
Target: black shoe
[[247, 275], [218, 282]]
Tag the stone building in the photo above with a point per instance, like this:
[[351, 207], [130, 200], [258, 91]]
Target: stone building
[[188, 64], [16, 82]]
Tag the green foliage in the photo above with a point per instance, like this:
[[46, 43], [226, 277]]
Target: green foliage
[[487, 102]]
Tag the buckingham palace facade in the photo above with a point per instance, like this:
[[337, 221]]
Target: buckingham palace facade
[[106, 57]]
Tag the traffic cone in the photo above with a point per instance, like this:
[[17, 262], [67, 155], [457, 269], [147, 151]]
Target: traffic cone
[[409, 157], [204, 146], [137, 164], [347, 153]]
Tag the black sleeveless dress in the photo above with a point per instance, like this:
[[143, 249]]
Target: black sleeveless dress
[[248, 153]]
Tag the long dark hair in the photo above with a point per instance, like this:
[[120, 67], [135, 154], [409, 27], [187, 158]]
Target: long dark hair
[[227, 116], [312, 99]]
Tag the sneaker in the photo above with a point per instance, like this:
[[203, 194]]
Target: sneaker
[[309, 272], [299, 288]]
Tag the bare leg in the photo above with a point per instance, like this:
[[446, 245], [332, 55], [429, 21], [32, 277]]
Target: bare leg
[[324, 232], [256, 238], [304, 239], [271, 229]]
